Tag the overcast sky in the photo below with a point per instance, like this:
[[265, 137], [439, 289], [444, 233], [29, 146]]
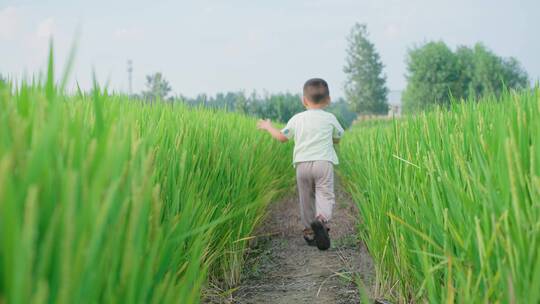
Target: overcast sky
[[210, 46]]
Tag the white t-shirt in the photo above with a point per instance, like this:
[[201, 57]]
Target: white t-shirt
[[313, 132]]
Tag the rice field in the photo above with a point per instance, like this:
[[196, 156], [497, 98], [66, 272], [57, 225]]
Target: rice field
[[450, 201], [109, 200], [106, 199]]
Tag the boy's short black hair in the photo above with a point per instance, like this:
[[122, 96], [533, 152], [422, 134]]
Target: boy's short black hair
[[316, 90]]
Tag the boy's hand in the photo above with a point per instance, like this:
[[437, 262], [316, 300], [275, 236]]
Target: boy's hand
[[264, 124]]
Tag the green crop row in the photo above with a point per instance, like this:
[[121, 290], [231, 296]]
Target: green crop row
[[450, 201], [109, 200]]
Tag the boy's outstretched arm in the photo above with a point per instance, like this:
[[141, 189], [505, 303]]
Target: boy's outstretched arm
[[267, 126]]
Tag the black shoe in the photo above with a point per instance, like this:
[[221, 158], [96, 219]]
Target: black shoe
[[322, 239]]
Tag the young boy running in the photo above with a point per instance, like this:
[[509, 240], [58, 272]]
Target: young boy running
[[314, 132]]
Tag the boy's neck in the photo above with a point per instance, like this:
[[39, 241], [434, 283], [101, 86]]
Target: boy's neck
[[316, 106]]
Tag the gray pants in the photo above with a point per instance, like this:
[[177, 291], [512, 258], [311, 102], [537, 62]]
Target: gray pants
[[315, 181]]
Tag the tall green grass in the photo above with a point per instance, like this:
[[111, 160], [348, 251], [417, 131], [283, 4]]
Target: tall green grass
[[451, 201], [109, 200]]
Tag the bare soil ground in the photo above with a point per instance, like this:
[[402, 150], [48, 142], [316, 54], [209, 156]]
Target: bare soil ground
[[281, 268]]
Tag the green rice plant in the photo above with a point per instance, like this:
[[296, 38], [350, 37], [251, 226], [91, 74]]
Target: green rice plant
[[450, 201], [104, 199]]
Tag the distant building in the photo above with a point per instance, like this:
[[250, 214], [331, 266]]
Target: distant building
[[394, 109], [394, 103]]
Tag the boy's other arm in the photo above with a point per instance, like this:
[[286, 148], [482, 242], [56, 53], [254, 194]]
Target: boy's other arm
[[338, 130], [267, 126]]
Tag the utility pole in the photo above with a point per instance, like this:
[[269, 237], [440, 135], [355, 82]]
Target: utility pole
[[130, 71]]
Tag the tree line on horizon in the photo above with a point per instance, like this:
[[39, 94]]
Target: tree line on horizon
[[276, 106], [435, 75]]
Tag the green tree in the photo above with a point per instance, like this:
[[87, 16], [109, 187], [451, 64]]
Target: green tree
[[365, 87], [342, 112], [241, 103], [432, 72], [490, 73], [157, 87], [435, 75]]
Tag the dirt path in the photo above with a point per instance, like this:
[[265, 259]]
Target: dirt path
[[281, 268]]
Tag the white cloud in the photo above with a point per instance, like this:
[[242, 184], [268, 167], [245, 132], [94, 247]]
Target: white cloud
[[37, 38], [46, 28], [10, 18]]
